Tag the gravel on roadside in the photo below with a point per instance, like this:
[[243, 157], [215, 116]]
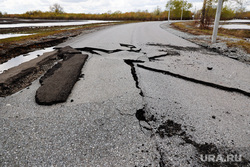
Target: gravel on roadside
[[220, 46]]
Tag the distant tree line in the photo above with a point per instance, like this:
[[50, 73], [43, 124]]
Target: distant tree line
[[57, 12], [179, 9]]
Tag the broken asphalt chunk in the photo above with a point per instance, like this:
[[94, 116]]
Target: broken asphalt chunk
[[127, 45], [58, 82], [93, 50]]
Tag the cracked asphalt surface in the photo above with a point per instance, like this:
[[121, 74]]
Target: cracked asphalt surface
[[122, 114]]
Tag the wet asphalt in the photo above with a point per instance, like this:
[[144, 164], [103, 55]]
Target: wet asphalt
[[163, 102]]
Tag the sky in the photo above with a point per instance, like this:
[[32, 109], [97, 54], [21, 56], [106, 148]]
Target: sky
[[88, 6]]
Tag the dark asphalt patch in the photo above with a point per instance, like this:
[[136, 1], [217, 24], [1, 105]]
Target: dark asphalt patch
[[50, 72], [59, 81], [171, 128], [62, 52]]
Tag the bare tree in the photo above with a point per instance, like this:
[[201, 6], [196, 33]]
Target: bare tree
[[207, 13], [157, 11], [56, 8], [241, 5]]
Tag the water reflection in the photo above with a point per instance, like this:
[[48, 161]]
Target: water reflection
[[22, 58], [3, 36], [236, 26], [52, 24]]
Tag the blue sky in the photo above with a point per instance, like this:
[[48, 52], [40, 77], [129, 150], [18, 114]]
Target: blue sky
[[88, 6]]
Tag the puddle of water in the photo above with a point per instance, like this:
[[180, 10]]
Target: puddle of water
[[237, 21], [236, 26], [52, 24], [22, 58], [3, 36]]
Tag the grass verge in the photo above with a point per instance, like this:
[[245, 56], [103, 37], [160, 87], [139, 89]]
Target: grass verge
[[192, 27], [41, 32]]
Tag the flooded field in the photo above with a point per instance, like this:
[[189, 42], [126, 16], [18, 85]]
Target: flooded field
[[46, 34], [23, 58], [235, 24], [49, 24], [3, 36]]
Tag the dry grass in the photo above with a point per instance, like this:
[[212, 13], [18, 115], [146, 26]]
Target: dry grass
[[39, 33], [192, 28], [242, 44]]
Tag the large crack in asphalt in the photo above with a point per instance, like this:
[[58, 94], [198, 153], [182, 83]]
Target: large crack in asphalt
[[55, 88], [133, 72], [170, 128], [141, 114], [169, 53], [93, 50], [210, 84]]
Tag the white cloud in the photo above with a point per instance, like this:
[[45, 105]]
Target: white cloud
[[88, 6]]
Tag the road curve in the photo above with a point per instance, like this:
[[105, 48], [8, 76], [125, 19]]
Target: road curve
[[128, 111]]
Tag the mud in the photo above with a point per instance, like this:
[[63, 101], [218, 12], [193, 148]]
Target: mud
[[17, 78], [16, 50], [23, 47]]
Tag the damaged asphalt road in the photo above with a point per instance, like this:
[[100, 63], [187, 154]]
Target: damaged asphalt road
[[165, 103], [58, 82]]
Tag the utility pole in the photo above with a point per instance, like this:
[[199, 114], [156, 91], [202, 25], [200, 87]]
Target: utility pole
[[169, 10], [182, 9], [181, 13], [169, 15], [216, 22]]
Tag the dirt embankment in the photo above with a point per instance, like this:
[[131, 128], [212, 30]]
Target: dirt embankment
[[17, 20], [16, 48], [57, 81]]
